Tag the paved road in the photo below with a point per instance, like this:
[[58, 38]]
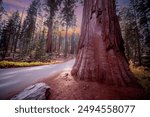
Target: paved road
[[13, 79]]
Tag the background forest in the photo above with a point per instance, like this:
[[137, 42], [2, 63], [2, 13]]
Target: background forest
[[47, 29]]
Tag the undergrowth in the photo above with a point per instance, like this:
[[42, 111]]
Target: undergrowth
[[11, 64], [142, 74]]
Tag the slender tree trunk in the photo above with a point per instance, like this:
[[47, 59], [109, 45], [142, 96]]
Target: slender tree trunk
[[49, 38], [66, 42], [59, 45], [72, 43], [135, 52], [6, 49], [54, 42], [15, 46], [101, 55], [139, 52], [137, 38], [12, 43], [127, 50]]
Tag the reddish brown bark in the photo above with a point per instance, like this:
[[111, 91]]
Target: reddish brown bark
[[101, 54], [49, 38], [66, 42]]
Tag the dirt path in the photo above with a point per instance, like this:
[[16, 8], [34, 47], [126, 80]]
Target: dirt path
[[64, 87]]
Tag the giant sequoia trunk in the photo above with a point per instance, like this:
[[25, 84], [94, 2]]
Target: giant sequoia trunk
[[101, 52]]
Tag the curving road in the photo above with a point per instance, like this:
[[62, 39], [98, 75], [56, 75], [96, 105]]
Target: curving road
[[13, 79]]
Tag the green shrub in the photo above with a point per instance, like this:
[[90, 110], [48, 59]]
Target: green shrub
[[142, 75]]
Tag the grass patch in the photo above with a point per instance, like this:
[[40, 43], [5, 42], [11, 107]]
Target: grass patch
[[11, 64], [142, 75]]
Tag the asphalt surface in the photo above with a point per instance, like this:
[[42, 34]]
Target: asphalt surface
[[14, 79]]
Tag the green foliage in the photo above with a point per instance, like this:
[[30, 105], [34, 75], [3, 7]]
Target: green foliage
[[135, 26], [67, 12], [68, 19], [1, 9], [53, 7], [131, 34], [29, 27], [8, 38], [142, 10], [40, 50]]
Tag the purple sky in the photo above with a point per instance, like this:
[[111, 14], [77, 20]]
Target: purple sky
[[20, 4]]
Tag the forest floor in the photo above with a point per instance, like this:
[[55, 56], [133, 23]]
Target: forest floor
[[65, 87]]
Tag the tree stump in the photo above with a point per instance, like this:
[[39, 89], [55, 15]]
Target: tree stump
[[39, 91]]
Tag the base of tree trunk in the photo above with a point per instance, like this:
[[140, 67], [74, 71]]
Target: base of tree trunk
[[111, 68]]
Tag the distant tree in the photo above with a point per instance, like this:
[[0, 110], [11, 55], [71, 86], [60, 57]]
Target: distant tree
[[142, 9], [17, 25], [40, 46], [4, 42], [9, 40], [131, 34], [18, 35], [1, 9], [52, 8], [1, 13], [73, 36], [28, 28], [67, 14], [55, 36]]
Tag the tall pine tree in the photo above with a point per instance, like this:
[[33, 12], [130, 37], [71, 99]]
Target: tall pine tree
[[52, 8], [9, 39], [29, 26], [142, 9], [68, 15]]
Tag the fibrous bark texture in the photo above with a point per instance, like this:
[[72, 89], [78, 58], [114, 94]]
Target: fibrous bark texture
[[101, 52]]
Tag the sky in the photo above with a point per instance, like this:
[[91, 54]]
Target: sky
[[16, 4], [13, 5]]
